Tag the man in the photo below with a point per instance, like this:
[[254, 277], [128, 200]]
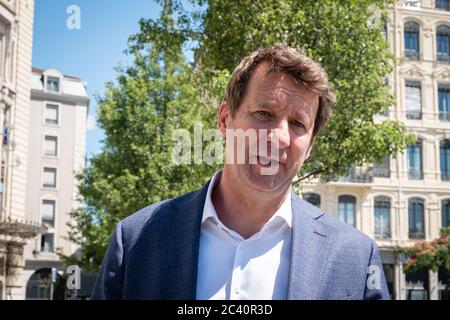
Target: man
[[245, 234]]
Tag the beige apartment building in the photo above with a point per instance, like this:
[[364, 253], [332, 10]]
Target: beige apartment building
[[56, 151], [407, 199]]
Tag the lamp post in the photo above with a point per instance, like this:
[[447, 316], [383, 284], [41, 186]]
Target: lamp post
[[53, 281]]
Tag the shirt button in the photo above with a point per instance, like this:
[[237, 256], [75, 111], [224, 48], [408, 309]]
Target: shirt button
[[243, 246]]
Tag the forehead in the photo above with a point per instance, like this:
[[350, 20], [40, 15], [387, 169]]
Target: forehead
[[278, 87]]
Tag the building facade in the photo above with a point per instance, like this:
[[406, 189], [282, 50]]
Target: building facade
[[57, 142], [16, 31], [406, 199]]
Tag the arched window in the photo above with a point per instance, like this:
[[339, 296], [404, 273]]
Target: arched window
[[382, 214], [412, 45], [444, 152], [312, 198], [414, 154], [445, 210], [443, 43], [416, 219], [347, 209]]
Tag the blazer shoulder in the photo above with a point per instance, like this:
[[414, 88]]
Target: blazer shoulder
[[346, 233], [343, 231]]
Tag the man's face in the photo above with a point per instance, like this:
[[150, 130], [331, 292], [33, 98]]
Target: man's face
[[273, 102]]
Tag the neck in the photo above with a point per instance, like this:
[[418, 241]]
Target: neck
[[245, 210]]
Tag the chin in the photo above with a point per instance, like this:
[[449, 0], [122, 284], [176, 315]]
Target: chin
[[262, 182]]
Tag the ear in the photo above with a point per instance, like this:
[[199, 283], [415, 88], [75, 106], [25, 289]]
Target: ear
[[223, 119]]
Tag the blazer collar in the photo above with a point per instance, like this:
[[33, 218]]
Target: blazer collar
[[180, 246]]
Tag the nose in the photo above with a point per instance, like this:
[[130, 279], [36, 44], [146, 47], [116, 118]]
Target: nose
[[281, 133]]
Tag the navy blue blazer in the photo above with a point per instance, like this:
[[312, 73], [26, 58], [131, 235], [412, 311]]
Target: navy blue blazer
[[153, 254]]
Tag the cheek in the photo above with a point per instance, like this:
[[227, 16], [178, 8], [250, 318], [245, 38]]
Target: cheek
[[298, 150]]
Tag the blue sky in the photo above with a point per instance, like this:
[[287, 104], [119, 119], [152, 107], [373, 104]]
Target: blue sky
[[92, 52]]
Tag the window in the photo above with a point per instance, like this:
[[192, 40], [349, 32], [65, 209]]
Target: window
[[445, 213], [444, 102], [417, 284], [382, 217], [312, 198], [347, 209], [442, 4], [416, 219], [53, 84], [51, 146], [382, 169], [411, 34], [51, 114], [445, 159], [49, 180], [47, 242], [414, 154], [413, 100], [442, 43], [48, 212]]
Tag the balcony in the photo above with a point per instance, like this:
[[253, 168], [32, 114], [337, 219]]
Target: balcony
[[445, 116], [416, 235], [443, 57], [412, 55], [381, 172], [414, 115], [415, 174], [357, 175], [445, 176]]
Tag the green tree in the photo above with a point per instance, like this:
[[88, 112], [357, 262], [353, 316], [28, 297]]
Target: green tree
[[162, 91]]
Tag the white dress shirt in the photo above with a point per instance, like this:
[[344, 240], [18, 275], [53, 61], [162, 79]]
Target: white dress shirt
[[233, 268]]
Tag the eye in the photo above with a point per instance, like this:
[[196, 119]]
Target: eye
[[297, 124], [263, 114]]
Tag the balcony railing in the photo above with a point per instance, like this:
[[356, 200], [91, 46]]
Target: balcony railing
[[445, 176], [414, 115], [416, 235], [381, 172], [443, 57], [444, 116], [412, 54], [358, 175], [415, 174], [383, 236]]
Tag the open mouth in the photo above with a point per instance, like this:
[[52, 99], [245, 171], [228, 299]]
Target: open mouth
[[267, 162]]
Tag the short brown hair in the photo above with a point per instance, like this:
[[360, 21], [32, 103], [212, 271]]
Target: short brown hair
[[303, 71]]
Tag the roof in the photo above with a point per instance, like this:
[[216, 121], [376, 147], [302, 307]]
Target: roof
[[70, 85]]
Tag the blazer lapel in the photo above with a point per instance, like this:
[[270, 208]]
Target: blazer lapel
[[179, 246], [311, 241]]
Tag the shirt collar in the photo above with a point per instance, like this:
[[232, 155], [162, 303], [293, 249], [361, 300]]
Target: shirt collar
[[284, 212]]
